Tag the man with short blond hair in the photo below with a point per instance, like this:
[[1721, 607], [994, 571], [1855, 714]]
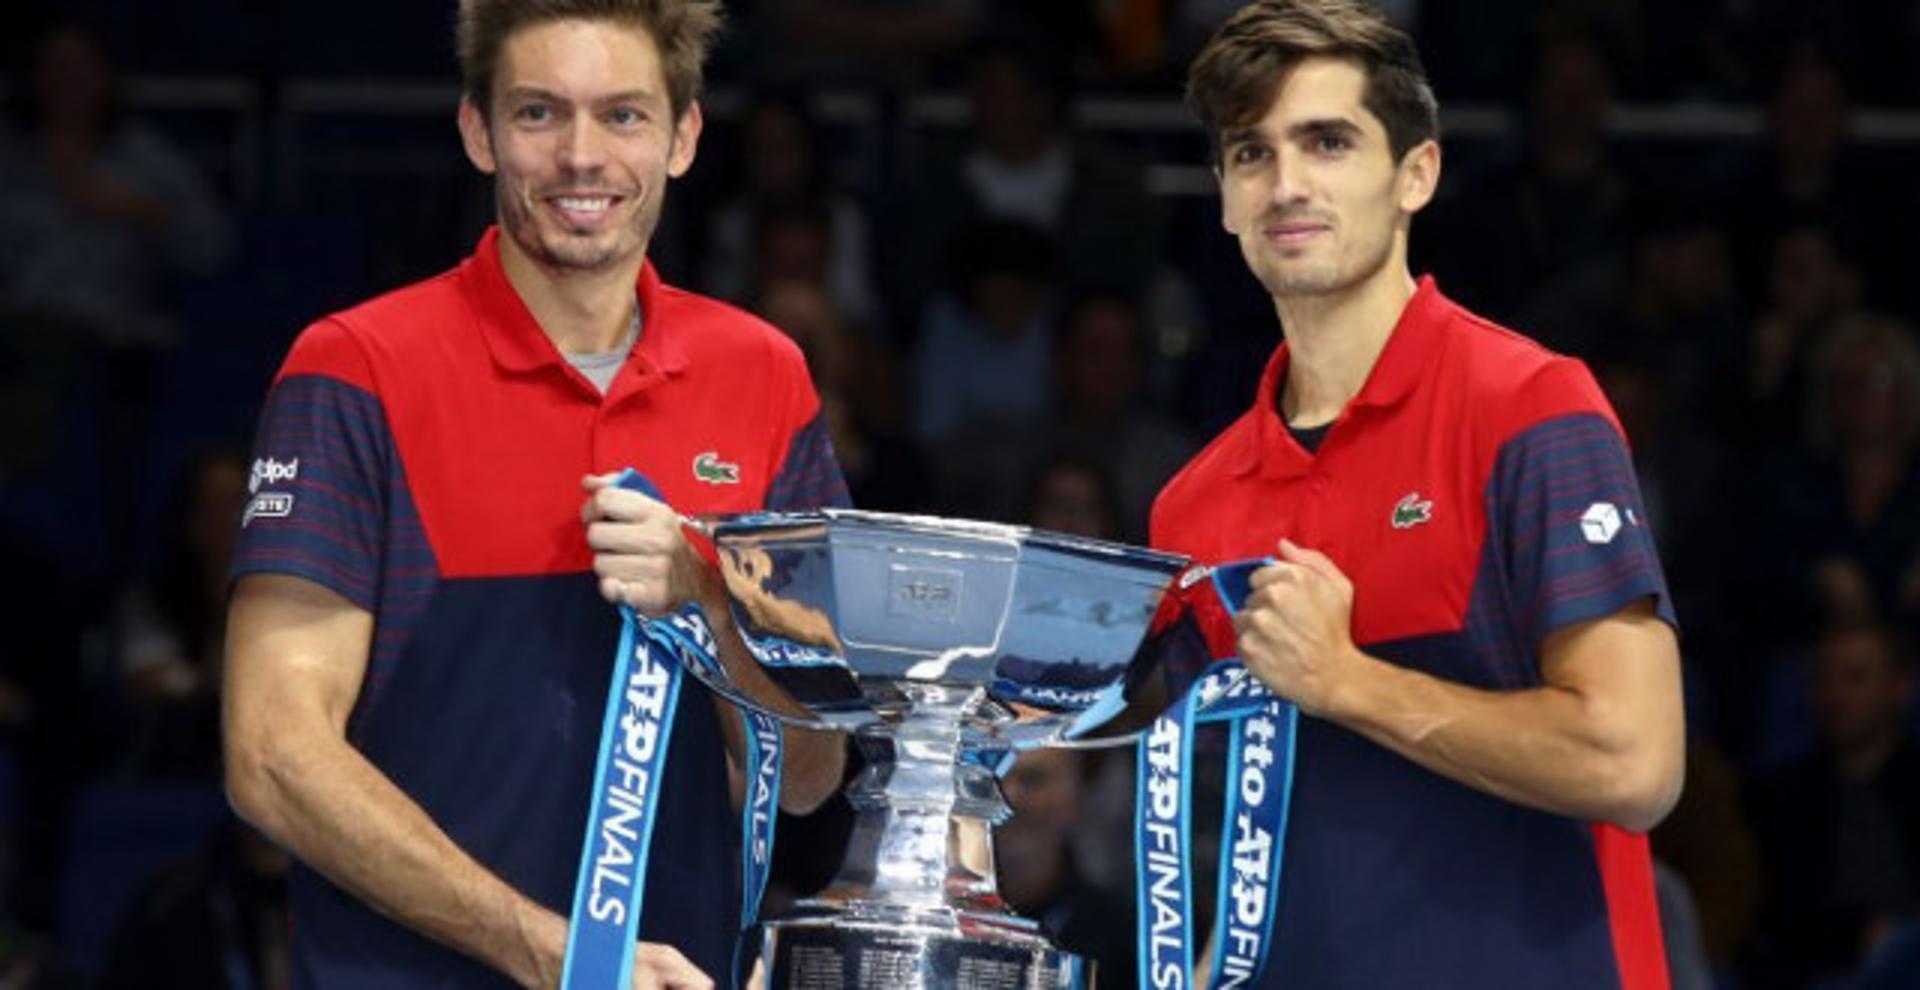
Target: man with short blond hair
[[421, 640]]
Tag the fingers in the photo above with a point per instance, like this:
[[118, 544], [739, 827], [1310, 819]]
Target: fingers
[[655, 536], [1313, 560], [1274, 574], [657, 966], [648, 589], [606, 501]]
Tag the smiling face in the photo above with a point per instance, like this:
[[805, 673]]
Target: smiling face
[[581, 139], [1312, 189]]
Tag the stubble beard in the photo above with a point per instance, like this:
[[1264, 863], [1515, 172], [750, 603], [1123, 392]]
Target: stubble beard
[[1326, 278], [562, 251]]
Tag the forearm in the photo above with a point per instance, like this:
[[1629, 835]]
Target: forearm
[[1552, 748], [323, 801]]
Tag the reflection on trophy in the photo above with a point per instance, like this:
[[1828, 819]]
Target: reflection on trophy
[[941, 646]]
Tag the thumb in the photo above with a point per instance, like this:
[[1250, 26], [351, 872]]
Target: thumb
[[1313, 560]]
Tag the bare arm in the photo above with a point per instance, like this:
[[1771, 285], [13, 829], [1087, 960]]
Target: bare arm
[[296, 656], [1602, 739]]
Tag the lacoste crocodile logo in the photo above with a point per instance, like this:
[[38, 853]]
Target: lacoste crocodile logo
[[1411, 511], [708, 467]]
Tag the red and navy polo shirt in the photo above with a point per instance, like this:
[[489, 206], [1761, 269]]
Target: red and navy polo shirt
[[1480, 495], [421, 456]]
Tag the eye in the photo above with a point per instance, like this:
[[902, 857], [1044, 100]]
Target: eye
[[1331, 143], [1247, 154], [533, 113], [626, 116]]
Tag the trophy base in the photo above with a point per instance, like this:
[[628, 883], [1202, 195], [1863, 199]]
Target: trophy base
[[833, 953]]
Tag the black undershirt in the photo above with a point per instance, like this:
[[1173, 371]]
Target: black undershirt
[[1308, 437]]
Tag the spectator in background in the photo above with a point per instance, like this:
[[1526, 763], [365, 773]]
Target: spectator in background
[[172, 628], [984, 352], [1831, 533], [783, 176], [1037, 872], [1099, 366], [1807, 170], [1557, 206], [1021, 163], [1070, 493], [1666, 301], [888, 42], [856, 381], [1811, 284], [216, 922], [1840, 828], [95, 209]]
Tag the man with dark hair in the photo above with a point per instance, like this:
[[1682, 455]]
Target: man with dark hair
[[1466, 602], [417, 652]]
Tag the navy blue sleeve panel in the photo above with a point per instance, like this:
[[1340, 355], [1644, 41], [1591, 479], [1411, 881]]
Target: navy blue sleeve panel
[[1568, 527], [810, 476], [322, 459]]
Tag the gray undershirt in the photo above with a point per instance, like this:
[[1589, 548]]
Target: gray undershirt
[[600, 368]]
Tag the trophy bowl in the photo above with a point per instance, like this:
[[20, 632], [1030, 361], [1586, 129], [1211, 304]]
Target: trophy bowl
[[941, 646]]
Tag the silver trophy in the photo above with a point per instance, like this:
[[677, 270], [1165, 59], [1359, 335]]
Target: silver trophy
[[942, 646]]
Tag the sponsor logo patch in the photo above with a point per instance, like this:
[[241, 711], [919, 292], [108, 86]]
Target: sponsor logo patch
[[267, 471], [708, 467], [267, 505], [1600, 523], [1411, 511]]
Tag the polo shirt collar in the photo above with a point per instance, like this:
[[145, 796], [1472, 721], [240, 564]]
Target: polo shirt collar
[[1401, 366], [515, 340]]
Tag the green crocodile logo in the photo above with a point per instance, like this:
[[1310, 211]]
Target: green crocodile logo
[[708, 467], [1411, 511]]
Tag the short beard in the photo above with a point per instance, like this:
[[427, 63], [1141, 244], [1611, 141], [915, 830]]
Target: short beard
[[1329, 279], [560, 253]]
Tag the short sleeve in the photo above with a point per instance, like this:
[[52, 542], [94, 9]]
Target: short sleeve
[[1570, 527], [809, 474], [322, 460]]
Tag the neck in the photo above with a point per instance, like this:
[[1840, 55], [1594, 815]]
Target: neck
[[582, 312], [1333, 341]]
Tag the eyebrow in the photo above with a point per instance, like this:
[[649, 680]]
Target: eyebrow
[[1306, 128], [542, 93], [1324, 126]]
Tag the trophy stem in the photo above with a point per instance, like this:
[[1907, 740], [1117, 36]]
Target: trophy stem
[[922, 836]]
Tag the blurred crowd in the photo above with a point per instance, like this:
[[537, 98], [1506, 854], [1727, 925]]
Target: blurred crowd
[[1007, 316]]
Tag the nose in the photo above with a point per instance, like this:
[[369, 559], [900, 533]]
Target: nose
[[1289, 178], [583, 147]]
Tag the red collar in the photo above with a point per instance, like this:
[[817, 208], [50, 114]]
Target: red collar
[[1402, 364], [514, 337]]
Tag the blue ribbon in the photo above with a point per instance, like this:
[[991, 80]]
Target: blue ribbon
[[1260, 784], [759, 813], [635, 733], [634, 737]]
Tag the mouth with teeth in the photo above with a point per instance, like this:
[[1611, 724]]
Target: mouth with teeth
[[583, 211]]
